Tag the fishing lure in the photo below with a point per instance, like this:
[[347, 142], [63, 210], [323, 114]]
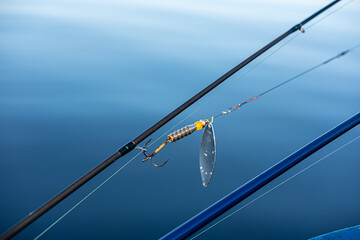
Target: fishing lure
[[207, 154]]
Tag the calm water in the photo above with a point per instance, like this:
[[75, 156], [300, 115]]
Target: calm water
[[80, 78]]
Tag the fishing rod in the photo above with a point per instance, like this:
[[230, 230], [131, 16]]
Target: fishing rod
[[132, 144]]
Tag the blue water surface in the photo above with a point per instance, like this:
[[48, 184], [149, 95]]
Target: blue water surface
[[78, 79]]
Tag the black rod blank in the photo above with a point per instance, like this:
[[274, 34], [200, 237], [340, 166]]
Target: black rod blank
[[131, 145]]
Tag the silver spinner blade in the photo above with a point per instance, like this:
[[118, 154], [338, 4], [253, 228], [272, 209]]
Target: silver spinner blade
[[207, 155]]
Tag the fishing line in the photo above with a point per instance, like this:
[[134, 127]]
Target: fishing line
[[87, 196], [331, 13], [101, 184], [196, 110], [280, 184], [238, 106]]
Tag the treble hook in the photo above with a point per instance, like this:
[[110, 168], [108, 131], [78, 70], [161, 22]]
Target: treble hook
[[143, 149]]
